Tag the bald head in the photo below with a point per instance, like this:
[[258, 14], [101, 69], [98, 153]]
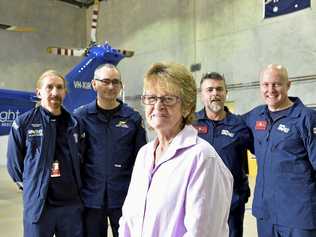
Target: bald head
[[275, 69], [274, 86]]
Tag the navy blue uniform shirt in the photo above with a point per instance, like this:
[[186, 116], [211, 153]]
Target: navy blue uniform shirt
[[285, 191], [111, 146], [231, 138]]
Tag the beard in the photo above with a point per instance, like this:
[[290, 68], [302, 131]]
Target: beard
[[215, 106]]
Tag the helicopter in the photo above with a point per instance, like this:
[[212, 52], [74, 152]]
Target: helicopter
[[79, 88]]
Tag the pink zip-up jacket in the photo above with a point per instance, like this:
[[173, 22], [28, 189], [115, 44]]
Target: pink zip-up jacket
[[187, 194]]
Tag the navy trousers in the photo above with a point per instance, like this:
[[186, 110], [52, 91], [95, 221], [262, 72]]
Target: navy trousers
[[236, 221], [64, 221], [96, 221], [266, 229]]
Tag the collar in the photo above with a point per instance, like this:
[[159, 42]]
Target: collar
[[48, 116], [294, 112], [230, 118], [185, 138], [125, 111]]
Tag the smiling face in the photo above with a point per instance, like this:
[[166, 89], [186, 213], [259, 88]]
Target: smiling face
[[164, 119], [51, 90], [213, 95], [106, 84], [169, 96], [274, 86]]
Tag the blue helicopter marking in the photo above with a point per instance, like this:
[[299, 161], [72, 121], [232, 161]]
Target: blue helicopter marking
[[14, 102]]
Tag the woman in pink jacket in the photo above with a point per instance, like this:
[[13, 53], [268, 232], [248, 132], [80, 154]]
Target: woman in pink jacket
[[180, 187]]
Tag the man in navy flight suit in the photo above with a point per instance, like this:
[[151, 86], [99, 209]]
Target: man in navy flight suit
[[43, 158], [114, 134], [284, 132], [230, 137]]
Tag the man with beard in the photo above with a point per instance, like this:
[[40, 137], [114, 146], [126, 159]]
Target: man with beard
[[44, 159], [284, 132], [114, 134], [230, 137]]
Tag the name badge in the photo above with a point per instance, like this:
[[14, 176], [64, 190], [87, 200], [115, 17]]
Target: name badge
[[55, 169]]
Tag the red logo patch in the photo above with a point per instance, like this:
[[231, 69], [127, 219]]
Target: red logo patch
[[261, 125], [201, 128]]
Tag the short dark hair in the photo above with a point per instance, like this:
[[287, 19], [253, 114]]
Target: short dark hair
[[213, 76]]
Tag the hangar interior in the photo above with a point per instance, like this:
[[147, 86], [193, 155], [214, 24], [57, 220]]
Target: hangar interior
[[230, 37]]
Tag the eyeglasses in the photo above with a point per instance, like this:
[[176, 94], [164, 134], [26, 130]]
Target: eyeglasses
[[167, 100], [107, 82]]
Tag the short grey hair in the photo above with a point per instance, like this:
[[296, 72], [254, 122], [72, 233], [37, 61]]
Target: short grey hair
[[106, 65]]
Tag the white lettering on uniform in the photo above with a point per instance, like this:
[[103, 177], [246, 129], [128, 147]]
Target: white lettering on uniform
[[36, 125], [283, 128], [227, 133], [35, 132]]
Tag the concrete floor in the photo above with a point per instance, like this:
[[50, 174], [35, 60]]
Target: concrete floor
[[11, 209], [10, 206]]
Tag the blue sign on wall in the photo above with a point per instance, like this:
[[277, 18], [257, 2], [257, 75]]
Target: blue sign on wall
[[280, 7]]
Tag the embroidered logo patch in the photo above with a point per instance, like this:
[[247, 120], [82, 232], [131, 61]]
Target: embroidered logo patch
[[35, 132], [202, 129], [314, 130], [121, 124], [283, 128], [261, 125], [227, 133]]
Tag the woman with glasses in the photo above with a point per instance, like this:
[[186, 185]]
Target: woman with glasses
[[179, 185]]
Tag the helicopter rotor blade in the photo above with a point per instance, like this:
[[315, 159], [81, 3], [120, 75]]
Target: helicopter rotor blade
[[94, 20], [16, 28], [77, 52], [126, 53]]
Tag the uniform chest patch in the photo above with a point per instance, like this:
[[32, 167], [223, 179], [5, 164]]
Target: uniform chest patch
[[121, 124], [227, 133], [283, 128], [35, 132], [261, 125], [314, 130], [202, 129]]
